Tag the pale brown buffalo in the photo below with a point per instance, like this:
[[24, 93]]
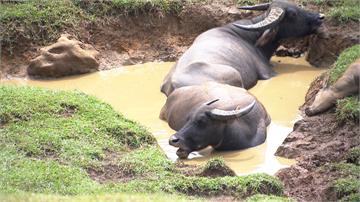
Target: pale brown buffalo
[[347, 84]]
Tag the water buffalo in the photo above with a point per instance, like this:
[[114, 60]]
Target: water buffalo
[[347, 84], [238, 53], [222, 116]]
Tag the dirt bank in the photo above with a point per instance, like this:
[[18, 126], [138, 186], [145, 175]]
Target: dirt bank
[[134, 38], [317, 143], [143, 37]]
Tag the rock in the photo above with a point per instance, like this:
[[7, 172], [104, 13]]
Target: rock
[[65, 57]]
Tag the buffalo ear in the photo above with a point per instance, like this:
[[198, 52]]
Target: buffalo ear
[[266, 37]]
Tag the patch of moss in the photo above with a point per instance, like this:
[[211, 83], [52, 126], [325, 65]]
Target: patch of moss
[[353, 156], [216, 167], [347, 169], [346, 186], [351, 198], [348, 108], [268, 198]]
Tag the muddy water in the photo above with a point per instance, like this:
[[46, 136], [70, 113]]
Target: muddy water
[[134, 91]]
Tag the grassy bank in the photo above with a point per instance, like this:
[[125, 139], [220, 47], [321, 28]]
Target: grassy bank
[[69, 143], [347, 108], [341, 11], [41, 21]]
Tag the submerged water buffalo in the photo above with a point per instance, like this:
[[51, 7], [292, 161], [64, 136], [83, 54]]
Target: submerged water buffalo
[[222, 116], [347, 84], [238, 53]]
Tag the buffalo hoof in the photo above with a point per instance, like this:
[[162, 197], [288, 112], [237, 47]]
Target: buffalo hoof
[[310, 112], [182, 153]]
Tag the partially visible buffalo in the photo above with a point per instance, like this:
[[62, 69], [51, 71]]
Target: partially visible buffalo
[[222, 116], [347, 84], [238, 53]]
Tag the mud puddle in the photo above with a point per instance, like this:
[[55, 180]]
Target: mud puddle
[[135, 92]]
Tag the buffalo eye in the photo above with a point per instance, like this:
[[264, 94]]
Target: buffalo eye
[[291, 14], [201, 122]]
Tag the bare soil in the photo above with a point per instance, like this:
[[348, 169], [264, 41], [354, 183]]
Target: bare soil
[[195, 170], [110, 170]]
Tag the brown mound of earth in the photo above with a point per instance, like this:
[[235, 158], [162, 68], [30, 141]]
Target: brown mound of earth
[[65, 57]]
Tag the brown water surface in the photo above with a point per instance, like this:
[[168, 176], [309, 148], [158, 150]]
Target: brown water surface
[[135, 92]]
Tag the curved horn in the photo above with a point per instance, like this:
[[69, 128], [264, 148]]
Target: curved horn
[[275, 15], [257, 7], [226, 115]]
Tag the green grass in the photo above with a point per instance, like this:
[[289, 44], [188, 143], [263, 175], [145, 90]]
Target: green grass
[[38, 126], [347, 57], [347, 108], [346, 10], [215, 163], [36, 20], [126, 7], [50, 139], [267, 198], [351, 198], [157, 197], [353, 156], [347, 185], [341, 11]]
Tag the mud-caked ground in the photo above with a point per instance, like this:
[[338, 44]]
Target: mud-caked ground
[[318, 143]]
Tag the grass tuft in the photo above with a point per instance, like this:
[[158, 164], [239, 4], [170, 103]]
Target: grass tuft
[[346, 186], [348, 108], [353, 156], [347, 57], [345, 11]]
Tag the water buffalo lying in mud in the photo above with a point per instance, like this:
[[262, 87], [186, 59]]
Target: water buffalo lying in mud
[[347, 84], [222, 116], [238, 53]]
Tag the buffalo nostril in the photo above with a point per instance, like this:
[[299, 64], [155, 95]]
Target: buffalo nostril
[[175, 140]]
